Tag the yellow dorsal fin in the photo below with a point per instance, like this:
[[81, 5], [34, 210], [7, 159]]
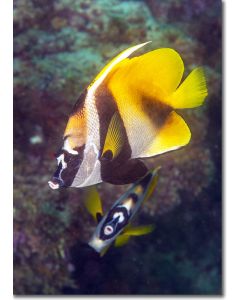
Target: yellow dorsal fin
[[154, 75], [108, 68], [139, 230], [121, 240], [93, 202], [191, 93], [172, 135], [115, 136]]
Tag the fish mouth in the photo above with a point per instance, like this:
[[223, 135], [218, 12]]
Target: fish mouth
[[55, 183], [97, 244]]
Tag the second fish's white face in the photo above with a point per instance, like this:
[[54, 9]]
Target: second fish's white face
[[113, 224]]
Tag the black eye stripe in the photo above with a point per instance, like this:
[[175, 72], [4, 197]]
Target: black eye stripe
[[71, 166], [67, 156], [57, 172], [110, 220]]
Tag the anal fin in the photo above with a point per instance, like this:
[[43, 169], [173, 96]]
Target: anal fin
[[114, 140], [174, 134], [139, 230], [128, 172]]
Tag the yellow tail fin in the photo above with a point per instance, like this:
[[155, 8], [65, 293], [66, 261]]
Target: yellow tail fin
[[191, 93]]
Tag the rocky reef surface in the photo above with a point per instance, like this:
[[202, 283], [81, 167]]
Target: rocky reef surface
[[59, 46]]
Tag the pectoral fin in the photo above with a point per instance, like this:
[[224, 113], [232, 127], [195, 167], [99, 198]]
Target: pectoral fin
[[93, 203], [121, 240], [139, 230], [125, 173], [114, 140], [172, 135]]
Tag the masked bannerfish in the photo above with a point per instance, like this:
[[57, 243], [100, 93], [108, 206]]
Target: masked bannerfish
[[115, 226], [125, 114]]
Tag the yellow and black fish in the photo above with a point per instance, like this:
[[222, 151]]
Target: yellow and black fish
[[125, 114], [116, 225]]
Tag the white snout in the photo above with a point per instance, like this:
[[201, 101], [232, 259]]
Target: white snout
[[53, 185]]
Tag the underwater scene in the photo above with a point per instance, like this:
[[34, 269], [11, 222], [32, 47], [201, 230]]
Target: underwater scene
[[117, 147]]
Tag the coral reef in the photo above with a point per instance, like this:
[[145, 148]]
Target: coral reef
[[59, 46]]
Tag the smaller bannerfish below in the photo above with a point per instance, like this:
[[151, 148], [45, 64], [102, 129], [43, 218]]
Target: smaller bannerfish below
[[127, 114], [116, 225]]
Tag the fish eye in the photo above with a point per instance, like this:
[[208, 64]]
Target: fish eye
[[58, 153], [108, 230], [67, 157]]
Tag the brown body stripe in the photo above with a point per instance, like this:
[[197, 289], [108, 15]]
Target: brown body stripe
[[156, 111], [122, 169], [106, 107]]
